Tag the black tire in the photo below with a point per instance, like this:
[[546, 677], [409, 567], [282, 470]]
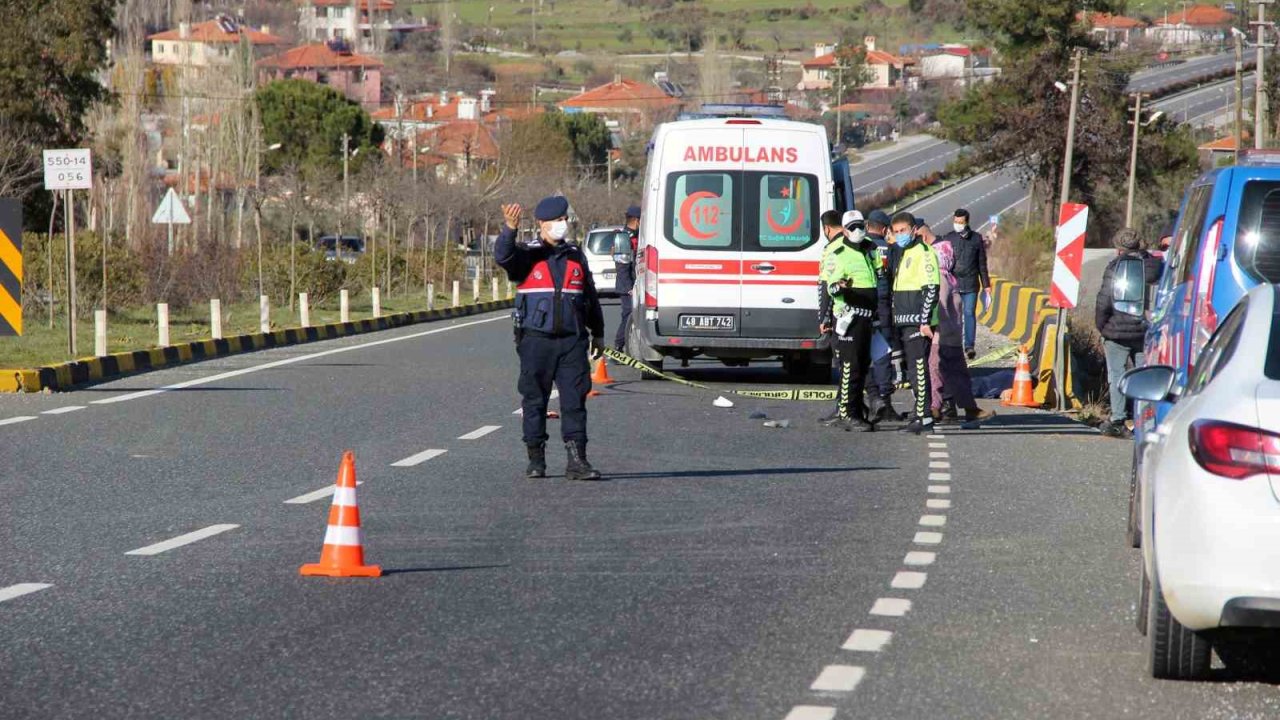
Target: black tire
[[636, 350], [1176, 652], [1144, 599], [1133, 535]]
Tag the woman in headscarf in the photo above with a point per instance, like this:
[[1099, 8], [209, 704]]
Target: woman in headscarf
[[950, 371]]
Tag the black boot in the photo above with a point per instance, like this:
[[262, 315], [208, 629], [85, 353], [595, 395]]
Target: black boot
[[830, 417], [859, 424], [537, 461], [577, 467]]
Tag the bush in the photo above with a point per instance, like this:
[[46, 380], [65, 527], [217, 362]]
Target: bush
[[1024, 256]]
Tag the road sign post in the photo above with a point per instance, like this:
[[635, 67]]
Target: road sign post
[[1064, 290], [171, 212], [69, 170]]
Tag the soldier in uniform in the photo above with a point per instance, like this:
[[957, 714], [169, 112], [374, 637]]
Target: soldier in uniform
[[556, 308]]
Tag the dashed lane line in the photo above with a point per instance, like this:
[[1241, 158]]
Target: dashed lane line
[[939, 464], [480, 432], [419, 458], [942, 454], [937, 504], [838, 678], [181, 540], [865, 640], [940, 489], [908, 580], [811, 712], [938, 445], [891, 607], [64, 410], [919, 558], [933, 520], [927, 538], [940, 476], [17, 591], [16, 420], [316, 495]]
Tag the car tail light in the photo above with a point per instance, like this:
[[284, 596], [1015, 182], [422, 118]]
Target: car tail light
[[1205, 318], [1234, 451], [650, 277]]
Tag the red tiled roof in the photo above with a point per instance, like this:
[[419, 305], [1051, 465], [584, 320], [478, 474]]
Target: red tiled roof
[[873, 57], [417, 110], [1225, 144], [793, 111], [1199, 15], [460, 138], [522, 112], [211, 32], [1107, 21], [623, 94], [317, 55], [382, 6]]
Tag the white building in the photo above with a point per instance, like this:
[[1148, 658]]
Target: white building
[[363, 23]]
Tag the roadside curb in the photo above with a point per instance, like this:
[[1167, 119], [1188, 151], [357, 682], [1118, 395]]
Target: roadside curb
[[65, 376]]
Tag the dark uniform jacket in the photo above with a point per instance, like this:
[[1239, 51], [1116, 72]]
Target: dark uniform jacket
[[1119, 327], [556, 295], [971, 260]]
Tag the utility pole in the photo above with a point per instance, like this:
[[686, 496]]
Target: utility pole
[[1259, 78], [1239, 38], [1060, 357], [1133, 157], [839, 100]]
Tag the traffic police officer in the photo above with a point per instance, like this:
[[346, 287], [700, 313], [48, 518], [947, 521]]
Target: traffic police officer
[[626, 278], [853, 278], [915, 312], [834, 236], [883, 368], [556, 306]]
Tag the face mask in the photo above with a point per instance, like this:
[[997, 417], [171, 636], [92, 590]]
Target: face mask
[[959, 227], [855, 234], [558, 229], [903, 238]]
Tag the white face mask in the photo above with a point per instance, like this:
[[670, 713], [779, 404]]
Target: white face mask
[[959, 227], [855, 234], [558, 230]]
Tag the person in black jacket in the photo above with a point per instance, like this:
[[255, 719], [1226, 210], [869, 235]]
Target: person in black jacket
[[970, 273], [626, 279], [556, 307], [1123, 334]]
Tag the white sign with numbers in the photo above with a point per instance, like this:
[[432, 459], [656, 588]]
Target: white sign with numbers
[[68, 169]]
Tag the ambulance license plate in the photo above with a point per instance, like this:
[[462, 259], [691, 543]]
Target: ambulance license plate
[[706, 322]]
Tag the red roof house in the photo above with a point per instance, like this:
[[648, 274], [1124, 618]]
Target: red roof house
[[628, 101], [207, 43], [358, 77]]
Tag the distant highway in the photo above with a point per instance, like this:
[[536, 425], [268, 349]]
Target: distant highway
[[1153, 79]]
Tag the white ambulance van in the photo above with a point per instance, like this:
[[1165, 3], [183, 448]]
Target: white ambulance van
[[730, 242]]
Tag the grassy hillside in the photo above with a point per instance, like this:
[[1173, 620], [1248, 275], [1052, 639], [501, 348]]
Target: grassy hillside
[[638, 26]]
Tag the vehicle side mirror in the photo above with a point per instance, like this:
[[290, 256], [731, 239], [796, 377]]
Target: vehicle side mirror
[[622, 250], [1153, 383], [1129, 287]]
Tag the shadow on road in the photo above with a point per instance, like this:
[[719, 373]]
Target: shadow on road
[[741, 473], [1011, 422], [451, 568]]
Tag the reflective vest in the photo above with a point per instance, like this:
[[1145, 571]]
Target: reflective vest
[[860, 267], [915, 286], [550, 299]]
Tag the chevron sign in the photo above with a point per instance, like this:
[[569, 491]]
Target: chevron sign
[[1072, 222]]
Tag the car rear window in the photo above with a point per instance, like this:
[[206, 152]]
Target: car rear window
[[785, 211], [1272, 366], [700, 210], [1190, 231], [606, 242], [1258, 230]]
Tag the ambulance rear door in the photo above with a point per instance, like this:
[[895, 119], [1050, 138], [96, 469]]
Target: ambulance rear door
[[786, 188], [700, 253]]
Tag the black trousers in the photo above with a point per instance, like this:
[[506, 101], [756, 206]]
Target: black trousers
[[915, 349], [564, 362], [620, 342], [853, 351]]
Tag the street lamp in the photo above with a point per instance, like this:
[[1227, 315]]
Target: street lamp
[[1137, 124]]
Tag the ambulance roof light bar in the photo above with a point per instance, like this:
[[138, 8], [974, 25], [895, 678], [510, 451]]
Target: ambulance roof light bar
[[728, 110]]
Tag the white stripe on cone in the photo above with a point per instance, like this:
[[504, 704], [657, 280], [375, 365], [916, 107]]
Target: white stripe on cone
[[342, 535]]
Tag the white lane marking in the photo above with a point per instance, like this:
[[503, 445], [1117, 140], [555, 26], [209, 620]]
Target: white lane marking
[[927, 538], [868, 640], [919, 557], [940, 489], [419, 458], [288, 361], [939, 464], [518, 411], [811, 712], [862, 168], [1011, 206], [908, 580], [15, 591], [884, 179], [182, 540], [938, 445], [838, 678], [63, 410], [933, 520], [891, 607], [936, 437], [316, 495], [480, 432], [16, 420], [940, 476], [555, 393], [934, 504], [939, 454]]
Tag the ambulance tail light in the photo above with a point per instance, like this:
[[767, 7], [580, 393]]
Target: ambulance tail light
[[1205, 318], [651, 277]]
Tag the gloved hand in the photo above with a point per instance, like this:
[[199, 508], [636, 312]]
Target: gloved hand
[[597, 348]]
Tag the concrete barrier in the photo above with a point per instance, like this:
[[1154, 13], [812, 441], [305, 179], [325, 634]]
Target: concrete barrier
[[1022, 314]]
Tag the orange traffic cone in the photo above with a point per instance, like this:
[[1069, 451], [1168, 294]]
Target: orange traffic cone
[[601, 375], [343, 553], [1022, 395]]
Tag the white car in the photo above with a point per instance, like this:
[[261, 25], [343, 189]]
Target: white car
[[600, 246], [1209, 483]]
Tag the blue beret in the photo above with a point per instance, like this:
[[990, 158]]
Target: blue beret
[[879, 217], [633, 211], [551, 208]]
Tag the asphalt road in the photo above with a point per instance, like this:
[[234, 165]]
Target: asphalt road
[[1155, 78], [720, 572], [916, 157], [1210, 105]]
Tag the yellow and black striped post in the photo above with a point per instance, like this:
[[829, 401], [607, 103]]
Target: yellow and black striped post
[[10, 267]]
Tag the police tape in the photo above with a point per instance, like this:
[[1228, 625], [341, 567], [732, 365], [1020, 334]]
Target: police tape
[[995, 356], [802, 395]]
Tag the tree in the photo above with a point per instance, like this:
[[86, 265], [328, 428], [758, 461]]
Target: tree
[[589, 138], [308, 121], [850, 71]]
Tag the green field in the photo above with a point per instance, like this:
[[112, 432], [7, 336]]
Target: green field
[[611, 26]]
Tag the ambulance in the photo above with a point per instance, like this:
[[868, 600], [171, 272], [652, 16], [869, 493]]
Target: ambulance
[[730, 242]]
